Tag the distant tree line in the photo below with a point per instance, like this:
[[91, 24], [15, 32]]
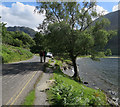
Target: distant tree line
[[27, 30], [16, 38]]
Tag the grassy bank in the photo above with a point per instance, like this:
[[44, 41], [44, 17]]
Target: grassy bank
[[66, 91], [13, 54], [29, 100]]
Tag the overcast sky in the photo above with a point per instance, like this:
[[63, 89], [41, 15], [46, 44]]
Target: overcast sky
[[22, 13]]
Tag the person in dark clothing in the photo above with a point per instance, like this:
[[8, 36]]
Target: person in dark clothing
[[41, 56], [44, 55]]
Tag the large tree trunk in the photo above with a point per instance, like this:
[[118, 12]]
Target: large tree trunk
[[76, 74]]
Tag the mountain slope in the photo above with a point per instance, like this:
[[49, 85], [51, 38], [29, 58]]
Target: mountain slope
[[114, 43], [113, 18], [27, 30]]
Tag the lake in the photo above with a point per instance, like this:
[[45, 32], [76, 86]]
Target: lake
[[101, 74]]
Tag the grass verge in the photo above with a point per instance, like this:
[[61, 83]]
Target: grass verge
[[29, 100], [13, 54], [66, 91]]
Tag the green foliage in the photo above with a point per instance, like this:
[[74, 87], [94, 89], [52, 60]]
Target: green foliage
[[113, 43], [101, 54], [101, 24], [12, 54], [112, 33], [69, 32], [39, 43], [101, 39], [19, 39], [71, 12], [27, 30], [68, 92], [65, 95], [29, 100], [108, 52]]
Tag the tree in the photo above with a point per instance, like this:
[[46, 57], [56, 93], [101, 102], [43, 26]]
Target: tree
[[108, 52], [39, 40], [68, 29]]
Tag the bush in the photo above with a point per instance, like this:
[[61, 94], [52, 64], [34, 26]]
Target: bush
[[64, 94], [108, 52]]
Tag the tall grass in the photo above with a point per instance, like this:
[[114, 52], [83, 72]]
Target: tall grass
[[13, 54]]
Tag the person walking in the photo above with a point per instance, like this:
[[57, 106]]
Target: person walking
[[44, 55], [41, 56]]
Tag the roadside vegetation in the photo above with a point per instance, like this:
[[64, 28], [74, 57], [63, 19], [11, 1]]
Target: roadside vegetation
[[15, 45], [29, 100], [16, 38], [66, 91], [13, 54]]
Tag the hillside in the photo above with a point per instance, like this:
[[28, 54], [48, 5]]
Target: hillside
[[27, 30], [113, 44], [13, 54], [113, 18]]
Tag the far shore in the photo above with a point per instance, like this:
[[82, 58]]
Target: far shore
[[112, 57], [88, 56]]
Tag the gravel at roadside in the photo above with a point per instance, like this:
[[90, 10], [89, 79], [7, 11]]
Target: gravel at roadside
[[41, 98]]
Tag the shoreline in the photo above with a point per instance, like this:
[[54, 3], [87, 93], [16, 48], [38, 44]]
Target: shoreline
[[91, 77], [113, 57], [93, 74], [110, 94], [112, 100]]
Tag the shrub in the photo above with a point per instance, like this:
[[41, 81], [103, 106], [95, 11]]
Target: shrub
[[108, 52], [64, 94]]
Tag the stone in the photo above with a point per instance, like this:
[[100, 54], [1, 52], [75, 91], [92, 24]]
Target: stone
[[50, 82], [112, 92], [96, 88], [94, 84], [115, 99], [85, 82]]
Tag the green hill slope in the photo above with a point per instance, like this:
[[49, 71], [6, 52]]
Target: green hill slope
[[13, 54], [114, 43], [27, 30]]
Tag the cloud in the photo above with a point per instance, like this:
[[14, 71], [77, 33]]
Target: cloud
[[101, 10], [21, 15], [116, 7]]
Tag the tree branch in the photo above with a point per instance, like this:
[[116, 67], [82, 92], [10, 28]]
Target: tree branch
[[84, 16], [56, 16], [87, 26]]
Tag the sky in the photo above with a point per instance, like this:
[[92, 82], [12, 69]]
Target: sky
[[18, 13]]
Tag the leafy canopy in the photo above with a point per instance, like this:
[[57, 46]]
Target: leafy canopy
[[77, 15], [67, 27]]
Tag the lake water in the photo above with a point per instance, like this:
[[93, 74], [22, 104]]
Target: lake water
[[101, 74]]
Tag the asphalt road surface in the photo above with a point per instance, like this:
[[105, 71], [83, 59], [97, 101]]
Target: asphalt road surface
[[18, 79]]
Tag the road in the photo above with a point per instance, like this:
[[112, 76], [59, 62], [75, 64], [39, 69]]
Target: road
[[18, 79]]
